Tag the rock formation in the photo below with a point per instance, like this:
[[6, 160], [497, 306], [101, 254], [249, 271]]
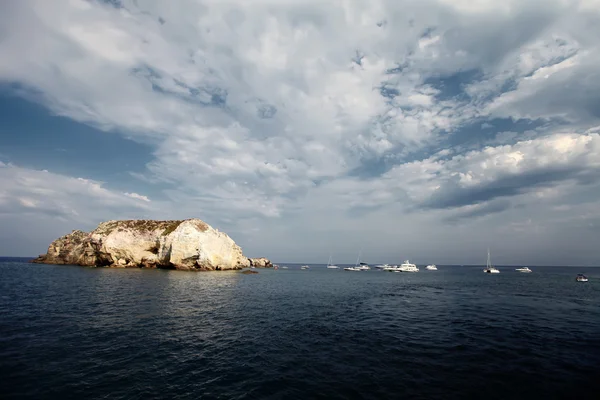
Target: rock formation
[[260, 262], [190, 244]]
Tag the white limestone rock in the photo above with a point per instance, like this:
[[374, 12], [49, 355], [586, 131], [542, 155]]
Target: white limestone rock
[[187, 245]]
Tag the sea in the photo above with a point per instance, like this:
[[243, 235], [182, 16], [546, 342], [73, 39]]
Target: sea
[[70, 332]]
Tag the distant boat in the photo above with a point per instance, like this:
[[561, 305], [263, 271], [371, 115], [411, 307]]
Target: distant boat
[[524, 270], [284, 267], [364, 267], [407, 266], [305, 267], [489, 269], [581, 278], [330, 265], [431, 267], [382, 266], [356, 267]]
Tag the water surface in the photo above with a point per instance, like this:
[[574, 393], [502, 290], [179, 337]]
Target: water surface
[[455, 333]]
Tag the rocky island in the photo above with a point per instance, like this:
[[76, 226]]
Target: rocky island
[[190, 245]]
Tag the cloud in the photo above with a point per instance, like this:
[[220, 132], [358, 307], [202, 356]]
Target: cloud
[[137, 196], [291, 113], [30, 192]]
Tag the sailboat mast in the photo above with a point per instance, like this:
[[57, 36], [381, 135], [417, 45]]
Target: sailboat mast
[[358, 259], [489, 264]]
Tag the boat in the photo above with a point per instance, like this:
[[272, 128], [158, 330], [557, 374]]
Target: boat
[[391, 268], [364, 267], [581, 278], [284, 267], [305, 267], [330, 265], [406, 266], [431, 267], [489, 269], [524, 270], [356, 267], [382, 266]]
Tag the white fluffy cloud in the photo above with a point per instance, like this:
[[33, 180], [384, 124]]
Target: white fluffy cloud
[[27, 191], [260, 113]]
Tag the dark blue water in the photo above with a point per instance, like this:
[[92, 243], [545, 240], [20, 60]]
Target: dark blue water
[[456, 333]]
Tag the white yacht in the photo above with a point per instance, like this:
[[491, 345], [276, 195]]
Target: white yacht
[[489, 269], [431, 267], [364, 267], [305, 267], [330, 265], [356, 266], [382, 266], [406, 266], [581, 278], [524, 270]]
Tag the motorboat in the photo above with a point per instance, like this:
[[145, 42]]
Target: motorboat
[[382, 266], [581, 278], [364, 267], [431, 267], [524, 270], [407, 266], [305, 267], [352, 269], [489, 269], [391, 268], [284, 267]]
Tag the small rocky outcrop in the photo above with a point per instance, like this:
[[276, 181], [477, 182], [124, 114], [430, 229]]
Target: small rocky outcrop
[[249, 272], [260, 262], [184, 245]]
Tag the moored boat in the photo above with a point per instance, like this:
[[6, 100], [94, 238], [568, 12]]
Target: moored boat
[[330, 265], [524, 270], [489, 269], [407, 266]]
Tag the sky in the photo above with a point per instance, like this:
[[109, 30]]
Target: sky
[[426, 130]]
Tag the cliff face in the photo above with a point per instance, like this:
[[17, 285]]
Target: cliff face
[[186, 245]]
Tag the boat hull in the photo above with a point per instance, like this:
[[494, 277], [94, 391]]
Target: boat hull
[[491, 271]]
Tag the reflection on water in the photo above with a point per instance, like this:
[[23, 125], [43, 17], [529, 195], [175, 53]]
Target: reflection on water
[[454, 333]]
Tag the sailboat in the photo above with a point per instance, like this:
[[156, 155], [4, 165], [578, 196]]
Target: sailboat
[[489, 269], [330, 265], [356, 267]]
